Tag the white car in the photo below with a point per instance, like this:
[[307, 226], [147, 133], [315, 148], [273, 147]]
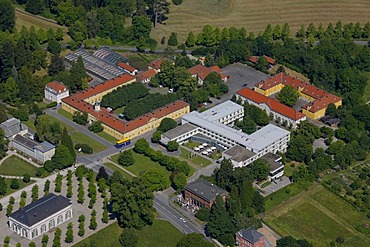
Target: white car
[[183, 220]]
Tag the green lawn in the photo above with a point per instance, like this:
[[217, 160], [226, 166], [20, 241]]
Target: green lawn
[[62, 125], [115, 168], [78, 137], [65, 114], [142, 164], [107, 137], [191, 144], [319, 216], [15, 166], [160, 234], [21, 186], [197, 159]]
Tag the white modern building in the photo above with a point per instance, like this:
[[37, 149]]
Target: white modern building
[[56, 91], [216, 124], [41, 216], [40, 152]]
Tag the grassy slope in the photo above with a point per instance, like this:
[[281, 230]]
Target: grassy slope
[[319, 216], [28, 21], [15, 166], [160, 234], [254, 15]]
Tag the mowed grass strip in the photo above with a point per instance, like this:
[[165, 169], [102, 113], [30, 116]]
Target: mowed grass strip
[[142, 164], [319, 216], [255, 15], [115, 168], [79, 137], [23, 19], [160, 234], [15, 166], [197, 159]]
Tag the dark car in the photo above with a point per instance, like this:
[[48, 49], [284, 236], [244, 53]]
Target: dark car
[[245, 85]]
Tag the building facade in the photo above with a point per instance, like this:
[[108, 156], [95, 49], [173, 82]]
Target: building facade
[[40, 152], [200, 72], [41, 216], [249, 238], [56, 91], [202, 193], [13, 127]]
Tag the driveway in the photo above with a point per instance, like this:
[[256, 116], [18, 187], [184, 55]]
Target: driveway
[[275, 186]]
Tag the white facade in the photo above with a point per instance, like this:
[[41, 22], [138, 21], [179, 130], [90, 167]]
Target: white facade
[[56, 92], [41, 227]]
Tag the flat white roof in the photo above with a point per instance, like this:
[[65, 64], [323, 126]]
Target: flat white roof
[[256, 141], [222, 110]]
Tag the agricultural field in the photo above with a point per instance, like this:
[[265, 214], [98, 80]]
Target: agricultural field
[[255, 15], [319, 216], [27, 20]]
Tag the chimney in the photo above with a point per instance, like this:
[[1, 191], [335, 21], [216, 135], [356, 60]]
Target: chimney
[[97, 106]]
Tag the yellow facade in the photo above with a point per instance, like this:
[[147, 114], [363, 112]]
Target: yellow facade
[[319, 114], [270, 91]]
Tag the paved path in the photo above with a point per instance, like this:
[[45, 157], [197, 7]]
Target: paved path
[[20, 177], [118, 166]]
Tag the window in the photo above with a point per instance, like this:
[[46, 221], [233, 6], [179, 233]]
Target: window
[[43, 228], [35, 233], [68, 214], [51, 223], [59, 219], [24, 233]]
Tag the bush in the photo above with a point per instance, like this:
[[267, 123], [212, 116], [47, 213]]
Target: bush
[[126, 158], [52, 104], [85, 148], [26, 178], [40, 171], [176, 2], [172, 146]]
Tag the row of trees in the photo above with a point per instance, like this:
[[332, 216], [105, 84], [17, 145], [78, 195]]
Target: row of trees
[[123, 95], [147, 104]]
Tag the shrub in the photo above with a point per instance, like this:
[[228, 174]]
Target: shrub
[[26, 178], [52, 104]]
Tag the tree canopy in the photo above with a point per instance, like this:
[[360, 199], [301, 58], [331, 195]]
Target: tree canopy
[[288, 96]]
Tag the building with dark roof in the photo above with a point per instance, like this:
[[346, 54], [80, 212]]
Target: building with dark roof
[[249, 238], [41, 152], [40, 216], [202, 193]]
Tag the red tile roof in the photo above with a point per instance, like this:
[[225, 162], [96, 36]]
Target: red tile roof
[[57, 86], [202, 71], [122, 126], [254, 59], [126, 67], [273, 104], [146, 74], [302, 86], [103, 87], [156, 64]]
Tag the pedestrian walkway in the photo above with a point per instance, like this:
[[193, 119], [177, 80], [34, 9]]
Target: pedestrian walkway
[[118, 166], [19, 177]]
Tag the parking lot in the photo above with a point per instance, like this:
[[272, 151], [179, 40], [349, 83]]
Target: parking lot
[[275, 186], [240, 75]]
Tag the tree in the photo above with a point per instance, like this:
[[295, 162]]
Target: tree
[[262, 64], [248, 126], [259, 169], [167, 124], [299, 149], [289, 241], [126, 158], [156, 136], [45, 240], [190, 40], [69, 233], [203, 214], [11, 91], [156, 180], [32, 244], [7, 16], [67, 142], [172, 40], [62, 157], [54, 47], [178, 181], [96, 127], [3, 186], [56, 65], [129, 237], [80, 118], [47, 187], [34, 7], [158, 10], [141, 28], [105, 217], [93, 225], [35, 193], [288, 96], [219, 224], [14, 184], [331, 110], [172, 146], [78, 77], [57, 238], [81, 225], [193, 240], [102, 174], [141, 146]]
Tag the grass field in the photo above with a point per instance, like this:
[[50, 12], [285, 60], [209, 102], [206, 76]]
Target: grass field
[[65, 114], [255, 15], [15, 166], [319, 216], [107, 137], [78, 137], [62, 125], [115, 168], [160, 234], [142, 164], [23, 19]]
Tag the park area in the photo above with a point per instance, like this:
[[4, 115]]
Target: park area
[[160, 234], [319, 216]]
